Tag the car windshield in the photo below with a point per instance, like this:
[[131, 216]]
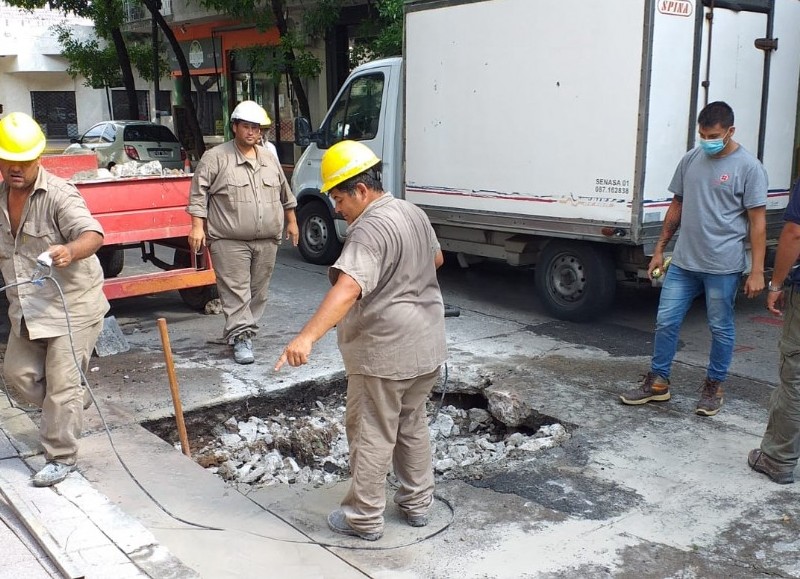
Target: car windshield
[[155, 133]]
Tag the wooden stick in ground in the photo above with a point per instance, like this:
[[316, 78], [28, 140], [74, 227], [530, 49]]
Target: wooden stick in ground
[[173, 386]]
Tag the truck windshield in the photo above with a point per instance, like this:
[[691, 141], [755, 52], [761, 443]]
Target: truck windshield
[[357, 113]]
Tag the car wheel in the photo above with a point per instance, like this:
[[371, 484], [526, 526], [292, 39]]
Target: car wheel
[[575, 281], [194, 297], [318, 241], [112, 260]]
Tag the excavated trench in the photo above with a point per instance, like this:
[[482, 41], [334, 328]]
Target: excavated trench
[[297, 436]]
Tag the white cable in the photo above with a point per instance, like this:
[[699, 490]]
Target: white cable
[[44, 261]]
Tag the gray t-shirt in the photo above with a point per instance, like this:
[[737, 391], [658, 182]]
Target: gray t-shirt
[[716, 196], [396, 329]]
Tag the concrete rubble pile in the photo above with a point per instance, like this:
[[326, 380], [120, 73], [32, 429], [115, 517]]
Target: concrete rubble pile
[[312, 448], [126, 170]]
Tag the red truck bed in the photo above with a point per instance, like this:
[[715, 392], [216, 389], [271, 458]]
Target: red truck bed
[[139, 210]]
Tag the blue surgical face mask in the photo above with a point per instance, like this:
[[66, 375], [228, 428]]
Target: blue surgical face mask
[[712, 146]]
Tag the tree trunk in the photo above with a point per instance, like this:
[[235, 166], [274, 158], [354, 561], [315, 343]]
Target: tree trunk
[[283, 30], [185, 83], [127, 73]]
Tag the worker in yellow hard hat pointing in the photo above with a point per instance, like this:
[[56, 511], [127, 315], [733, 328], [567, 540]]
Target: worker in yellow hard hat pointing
[[387, 308], [44, 219]]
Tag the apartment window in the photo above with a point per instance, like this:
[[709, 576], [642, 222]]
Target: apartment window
[[56, 112], [119, 105]]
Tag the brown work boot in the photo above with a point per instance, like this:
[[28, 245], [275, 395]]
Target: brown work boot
[[710, 398], [653, 388], [762, 463]]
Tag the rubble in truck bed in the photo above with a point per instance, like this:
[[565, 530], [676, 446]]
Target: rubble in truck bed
[[306, 444]]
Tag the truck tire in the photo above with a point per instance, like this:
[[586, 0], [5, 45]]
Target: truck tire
[[194, 297], [112, 260], [575, 281], [318, 241]]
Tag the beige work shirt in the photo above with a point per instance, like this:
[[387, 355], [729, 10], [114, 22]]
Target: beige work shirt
[[240, 198], [396, 329], [54, 214]]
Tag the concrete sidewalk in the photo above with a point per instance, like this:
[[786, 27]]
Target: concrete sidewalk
[[70, 529]]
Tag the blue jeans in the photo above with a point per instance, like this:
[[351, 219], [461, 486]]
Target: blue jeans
[[681, 287]]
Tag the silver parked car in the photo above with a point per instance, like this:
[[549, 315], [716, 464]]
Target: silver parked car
[[117, 142]]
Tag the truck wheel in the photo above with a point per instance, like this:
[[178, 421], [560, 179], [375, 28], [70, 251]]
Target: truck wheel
[[575, 281], [112, 260], [318, 241], [194, 297]]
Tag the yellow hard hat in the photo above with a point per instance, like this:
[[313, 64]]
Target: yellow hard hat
[[251, 112], [343, 160], [21, 138]]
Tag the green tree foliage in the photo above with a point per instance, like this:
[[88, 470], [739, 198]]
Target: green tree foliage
[[141, 54], [380, 36], [292, 56], [99, 66], [107, 17]]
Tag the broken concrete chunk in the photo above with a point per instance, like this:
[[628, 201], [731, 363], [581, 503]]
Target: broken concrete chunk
[[230, 440], [479, 415], [444, 465], [254, 475], [443, 424], [515, 439], [248, 431], [507, 407]]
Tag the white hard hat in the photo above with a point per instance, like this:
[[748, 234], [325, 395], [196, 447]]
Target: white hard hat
[[251, 112]]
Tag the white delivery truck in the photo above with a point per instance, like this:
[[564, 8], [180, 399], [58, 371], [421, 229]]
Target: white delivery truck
[[546, 132]]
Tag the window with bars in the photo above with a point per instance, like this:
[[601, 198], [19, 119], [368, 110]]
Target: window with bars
[[119, 105], [56, 112]]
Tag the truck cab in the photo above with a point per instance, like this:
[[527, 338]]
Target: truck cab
[[368, 108]]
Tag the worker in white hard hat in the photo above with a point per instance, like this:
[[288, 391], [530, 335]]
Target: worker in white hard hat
[[45, 218], [389, 316], [241, 207]]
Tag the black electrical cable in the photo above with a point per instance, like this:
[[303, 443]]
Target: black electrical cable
[[39, 281]]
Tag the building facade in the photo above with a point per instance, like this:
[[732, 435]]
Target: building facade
[[34, 78]]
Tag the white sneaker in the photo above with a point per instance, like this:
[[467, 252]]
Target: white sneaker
[[52, 473], [243, 350]]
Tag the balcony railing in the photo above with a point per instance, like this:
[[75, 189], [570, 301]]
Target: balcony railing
[[134, 11]]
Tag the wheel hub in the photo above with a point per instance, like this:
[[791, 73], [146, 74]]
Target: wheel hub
[[567, 280], [316, 233]]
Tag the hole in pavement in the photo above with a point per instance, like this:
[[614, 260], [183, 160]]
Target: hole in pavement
[[297, 436]]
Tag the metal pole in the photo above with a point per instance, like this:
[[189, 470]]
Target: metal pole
[[156, 71], [173, 387]]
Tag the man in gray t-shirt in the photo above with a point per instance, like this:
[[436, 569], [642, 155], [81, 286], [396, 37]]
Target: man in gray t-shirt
[[719, 203]]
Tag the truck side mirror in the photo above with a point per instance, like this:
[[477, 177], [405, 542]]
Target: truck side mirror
[[302, 132]]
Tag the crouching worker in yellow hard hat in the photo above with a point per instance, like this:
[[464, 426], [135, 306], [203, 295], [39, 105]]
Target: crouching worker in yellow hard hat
[[387, 308], [43, 214]]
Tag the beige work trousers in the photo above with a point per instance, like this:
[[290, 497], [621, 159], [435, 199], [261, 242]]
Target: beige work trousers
[[43, 372], [243, 270], [387, 425]]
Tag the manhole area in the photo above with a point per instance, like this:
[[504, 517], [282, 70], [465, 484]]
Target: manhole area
[[298, 436]]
